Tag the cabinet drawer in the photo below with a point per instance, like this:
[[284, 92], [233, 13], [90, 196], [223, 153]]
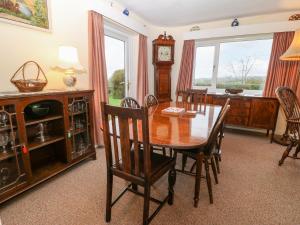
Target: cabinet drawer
[[235, 111], [236, 120]]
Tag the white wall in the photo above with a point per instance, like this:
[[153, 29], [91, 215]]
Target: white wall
[[69, 27]]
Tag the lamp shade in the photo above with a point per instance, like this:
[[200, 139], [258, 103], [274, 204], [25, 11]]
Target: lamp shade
[[293, 52], [68, 59]]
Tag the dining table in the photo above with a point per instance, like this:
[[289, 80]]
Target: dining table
[[182, 131]]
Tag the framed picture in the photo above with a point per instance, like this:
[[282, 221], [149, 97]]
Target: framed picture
[[29, 13]]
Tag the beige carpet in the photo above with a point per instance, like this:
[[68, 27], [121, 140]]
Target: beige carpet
[[252, 190]]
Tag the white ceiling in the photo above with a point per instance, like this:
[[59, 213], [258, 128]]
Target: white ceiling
[[184, 12]]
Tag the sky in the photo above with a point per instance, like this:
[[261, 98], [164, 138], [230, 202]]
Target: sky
[[114, 54], [231, 53]]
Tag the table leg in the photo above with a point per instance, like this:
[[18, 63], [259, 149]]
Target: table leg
[[199, 160]]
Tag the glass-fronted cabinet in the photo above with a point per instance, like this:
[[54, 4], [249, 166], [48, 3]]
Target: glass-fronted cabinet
[[79, 119], [12, 173]]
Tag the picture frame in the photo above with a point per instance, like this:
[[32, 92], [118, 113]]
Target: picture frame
[[23, 13]]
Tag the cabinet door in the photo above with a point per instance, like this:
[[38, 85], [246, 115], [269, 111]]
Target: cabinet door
[[80, 125], [12, 172], [263, 113]]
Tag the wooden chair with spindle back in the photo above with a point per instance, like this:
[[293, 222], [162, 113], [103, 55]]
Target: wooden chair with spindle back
[[182, 96], [291, 107], [198, 98], [218, 152], [121, 127], [129, 102], [150, 100], [208, 151]]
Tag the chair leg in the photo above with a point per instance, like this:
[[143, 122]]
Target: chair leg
[[146, 204], [109, 187], [216, 157], [164, 151], [199, 160], [286, 153], [208, 181], [184, 159], [135, 187], [297, 151], [214, 169], [172, 181]]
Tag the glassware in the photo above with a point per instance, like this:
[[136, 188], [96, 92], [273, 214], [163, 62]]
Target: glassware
[[4, 119], [4, 138], [81, 146], [13, 137], [4, 175], [42, 132]]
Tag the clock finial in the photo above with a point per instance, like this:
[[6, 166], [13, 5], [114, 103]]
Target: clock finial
[[165, 34]]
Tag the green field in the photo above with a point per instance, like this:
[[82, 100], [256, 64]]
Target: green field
[[114, 101]]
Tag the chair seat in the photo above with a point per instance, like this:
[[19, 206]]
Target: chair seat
[[159, 164]]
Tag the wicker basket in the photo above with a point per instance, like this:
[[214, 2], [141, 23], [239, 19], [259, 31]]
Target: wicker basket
[[30, 85]]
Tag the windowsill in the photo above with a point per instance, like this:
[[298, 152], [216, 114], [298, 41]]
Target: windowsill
[[222, 92]]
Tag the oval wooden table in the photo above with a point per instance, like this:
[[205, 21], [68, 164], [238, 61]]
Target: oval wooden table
[[183, 131]]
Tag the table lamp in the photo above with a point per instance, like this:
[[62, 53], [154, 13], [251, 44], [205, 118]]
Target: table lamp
[[291, 54], [70, 65]]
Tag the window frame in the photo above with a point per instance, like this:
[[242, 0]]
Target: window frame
[[217, 44]]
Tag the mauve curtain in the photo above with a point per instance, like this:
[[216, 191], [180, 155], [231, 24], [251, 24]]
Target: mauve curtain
[[97, 69], [142, 76], [281, 73], [185, 77]]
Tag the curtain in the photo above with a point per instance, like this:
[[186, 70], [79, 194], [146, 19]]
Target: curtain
[[142, 76], [281, 73], [97, 69], [185, 77]]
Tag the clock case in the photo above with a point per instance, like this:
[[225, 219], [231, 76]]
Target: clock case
[[162, 69]]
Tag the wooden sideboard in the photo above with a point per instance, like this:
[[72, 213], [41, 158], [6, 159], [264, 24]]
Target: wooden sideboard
[[249, 111], [34, 148]]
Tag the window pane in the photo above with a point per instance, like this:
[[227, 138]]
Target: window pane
[[115, 63], [244, 64], [204, 66]]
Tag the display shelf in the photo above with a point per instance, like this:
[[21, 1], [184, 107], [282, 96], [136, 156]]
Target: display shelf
[[46, 119], [37, 144]]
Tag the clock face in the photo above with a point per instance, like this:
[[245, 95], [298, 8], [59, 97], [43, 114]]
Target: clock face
[[164, 53]]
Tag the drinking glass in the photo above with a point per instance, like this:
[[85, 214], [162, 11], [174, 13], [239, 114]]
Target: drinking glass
[[4, 138], [4, 119], [4, 175]]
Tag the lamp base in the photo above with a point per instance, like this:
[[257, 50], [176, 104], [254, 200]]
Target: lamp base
[[70, 81]]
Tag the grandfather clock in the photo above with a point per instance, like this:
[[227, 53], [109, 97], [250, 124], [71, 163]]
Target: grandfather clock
[[163, 59]]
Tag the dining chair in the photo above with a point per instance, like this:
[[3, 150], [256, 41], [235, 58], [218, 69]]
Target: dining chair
[[122, 126], [182, 96], [291, 108], [217, 153], [206, 154], [198, 98], [129, 102], [150, 100]]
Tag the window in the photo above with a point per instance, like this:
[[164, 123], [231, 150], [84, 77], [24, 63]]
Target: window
[[236, 63]]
